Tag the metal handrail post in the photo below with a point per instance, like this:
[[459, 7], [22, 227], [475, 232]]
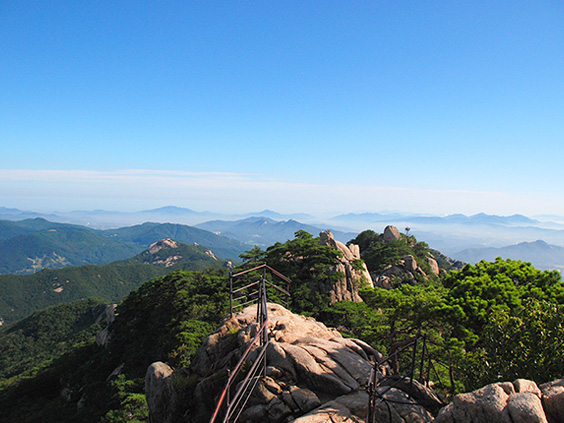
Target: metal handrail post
[[422, 365], [230, 293], [413, 357], [228, 394]]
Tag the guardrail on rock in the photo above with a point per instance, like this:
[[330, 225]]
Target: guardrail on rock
[[242, 293]]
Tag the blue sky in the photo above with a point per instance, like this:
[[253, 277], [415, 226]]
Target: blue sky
[[318, 106]]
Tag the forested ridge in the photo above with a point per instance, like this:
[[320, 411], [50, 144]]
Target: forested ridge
[[21, 295]]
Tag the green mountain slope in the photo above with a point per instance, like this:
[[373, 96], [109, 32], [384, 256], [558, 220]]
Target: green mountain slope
[[46, 335], [175, 256], [28, 246], [55, 248], [10, 229], [21, 295], [148, 233]]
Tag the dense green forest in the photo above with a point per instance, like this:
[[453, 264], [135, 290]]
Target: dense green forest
[[44, 336], [487, 322]]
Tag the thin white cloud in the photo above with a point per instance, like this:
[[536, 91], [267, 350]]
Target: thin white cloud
[[233, 192]]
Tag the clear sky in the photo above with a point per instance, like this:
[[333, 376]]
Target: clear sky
[[297, 106]]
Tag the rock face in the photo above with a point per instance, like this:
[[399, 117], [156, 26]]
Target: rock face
[[108, 316], [313, 373], [354, 270], [160, 393], [519, 402]]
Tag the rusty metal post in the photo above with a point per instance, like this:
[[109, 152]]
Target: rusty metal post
[[230, 293], [422, 365], [228, 397]]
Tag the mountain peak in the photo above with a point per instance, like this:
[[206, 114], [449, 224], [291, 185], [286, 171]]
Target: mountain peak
[[163, 243], [171, 210]]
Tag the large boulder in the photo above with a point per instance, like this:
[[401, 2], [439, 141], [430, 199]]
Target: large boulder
[[434, 266], [505, 402], [391, 233], [553, 400]]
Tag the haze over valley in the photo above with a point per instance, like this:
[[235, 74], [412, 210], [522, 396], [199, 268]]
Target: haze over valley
[[539, 240]]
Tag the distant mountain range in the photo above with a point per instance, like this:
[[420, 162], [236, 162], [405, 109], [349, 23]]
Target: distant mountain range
[[453, 233], [105, 219], [20, 295], [480, 218], [538, 253], [280, 216], [449, 234], [264, 231]]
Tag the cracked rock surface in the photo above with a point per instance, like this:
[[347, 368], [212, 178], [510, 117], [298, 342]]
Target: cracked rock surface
[[313, 373]]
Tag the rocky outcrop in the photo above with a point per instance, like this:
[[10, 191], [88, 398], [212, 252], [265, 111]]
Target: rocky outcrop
[[405, 270], [391, 233], [107, 316], [352, 268], [313, 373], [160, 393], [163, 243], [519, 402]]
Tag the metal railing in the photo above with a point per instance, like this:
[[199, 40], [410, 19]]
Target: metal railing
[[424, 364], [376, 396], [230, 405], [245, 290]]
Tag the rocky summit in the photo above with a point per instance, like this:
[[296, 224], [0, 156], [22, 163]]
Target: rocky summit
[[314, 374]]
